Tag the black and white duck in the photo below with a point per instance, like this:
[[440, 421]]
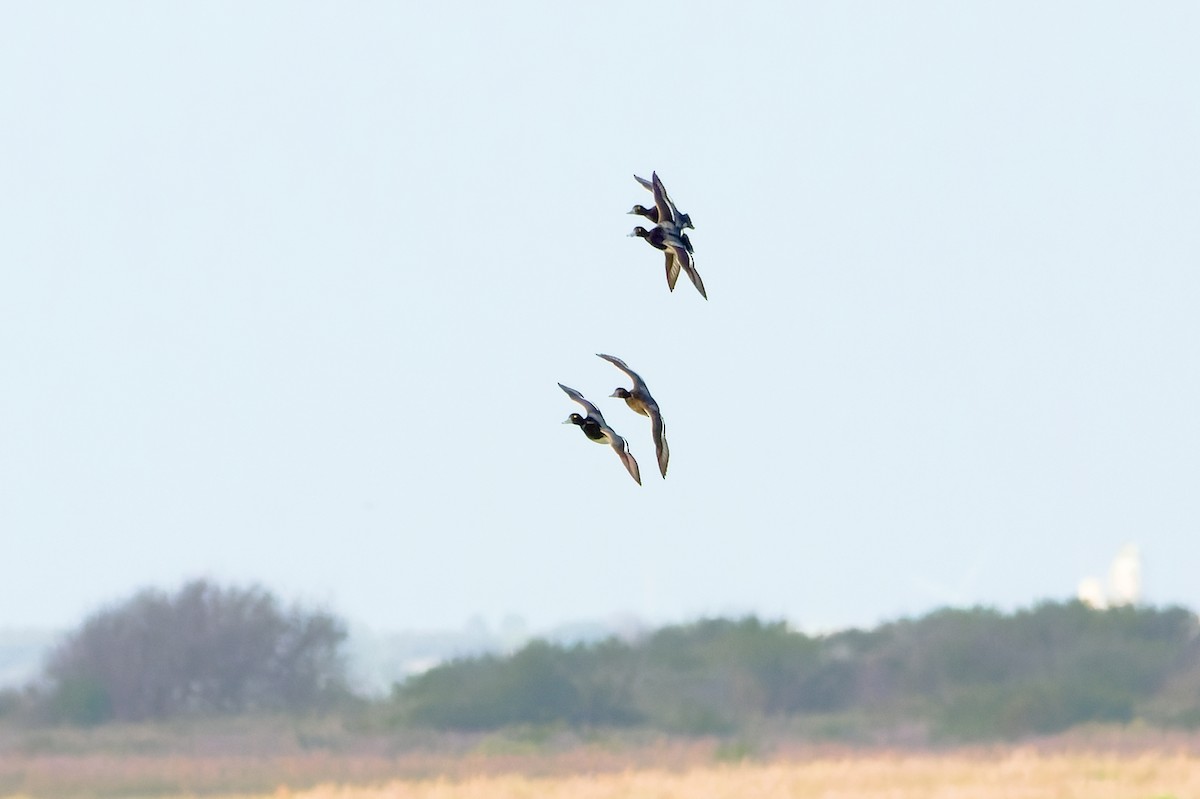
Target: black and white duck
[[595, 428]]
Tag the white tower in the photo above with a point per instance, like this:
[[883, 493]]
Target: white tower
[[1125, 577]]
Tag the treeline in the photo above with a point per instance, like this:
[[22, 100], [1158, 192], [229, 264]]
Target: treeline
[[205, 650], [954, 674], [962, 674]]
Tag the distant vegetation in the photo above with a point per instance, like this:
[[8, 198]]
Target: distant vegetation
[[962, 674], [971, 674], [204, 650]]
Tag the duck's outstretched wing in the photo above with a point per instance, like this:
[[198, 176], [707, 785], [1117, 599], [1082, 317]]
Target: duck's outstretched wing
[[680, 219], [690, 268], [666, 211], [621, 447], [592, 410], [639, 385], [675, 245], [659, 431], [672, 269]]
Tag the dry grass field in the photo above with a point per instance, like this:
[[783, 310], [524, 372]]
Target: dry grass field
[[1017, 775], [247, 764]]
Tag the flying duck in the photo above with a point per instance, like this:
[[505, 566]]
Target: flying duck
[[652, 215], [682, 220], [668, 236], [674, 250], [595, 428], [640, 400]]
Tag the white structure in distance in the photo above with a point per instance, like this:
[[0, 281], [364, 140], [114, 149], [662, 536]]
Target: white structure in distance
[[1124, 582]]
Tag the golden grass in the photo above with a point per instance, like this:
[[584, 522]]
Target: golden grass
[[1018, 774], [274, 760]]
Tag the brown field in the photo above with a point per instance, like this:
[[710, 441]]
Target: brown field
[[1100, 764], [1021, 774]]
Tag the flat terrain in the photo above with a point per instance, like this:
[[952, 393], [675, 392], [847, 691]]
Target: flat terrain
[[1023, 774], [275, 761]]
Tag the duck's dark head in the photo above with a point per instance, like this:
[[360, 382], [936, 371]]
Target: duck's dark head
[[621, 393], [640, 232], [574, 419], [649, 213]]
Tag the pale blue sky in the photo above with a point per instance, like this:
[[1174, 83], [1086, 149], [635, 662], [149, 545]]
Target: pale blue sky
[[285, 290]]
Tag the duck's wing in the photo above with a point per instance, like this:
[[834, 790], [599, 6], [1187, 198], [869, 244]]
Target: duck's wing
[[659, 431], [666, 213], [690, 268], [621, 447], [675, 245], [680, 219], [672, 268], [592, 410], [639, 385]]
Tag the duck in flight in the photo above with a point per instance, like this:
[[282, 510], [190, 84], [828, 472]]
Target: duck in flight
[[639, 399], [595, 428], [669, 237], [682, 220], [674, 251]]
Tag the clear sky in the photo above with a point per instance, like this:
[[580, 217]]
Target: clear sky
[[286, 287]]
